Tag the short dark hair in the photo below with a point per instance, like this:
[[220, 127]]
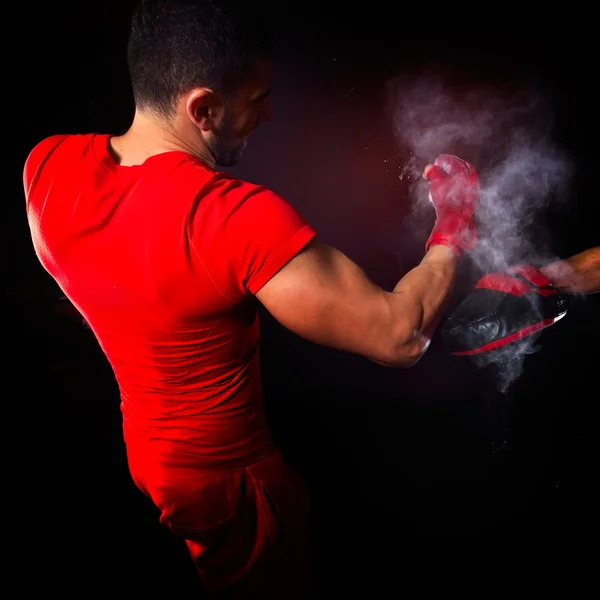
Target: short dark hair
[[177, 45]]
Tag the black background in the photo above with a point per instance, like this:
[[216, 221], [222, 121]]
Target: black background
[[420, 478]]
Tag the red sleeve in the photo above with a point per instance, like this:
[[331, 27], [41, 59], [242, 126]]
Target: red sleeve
[[258, 233], [36, 159]]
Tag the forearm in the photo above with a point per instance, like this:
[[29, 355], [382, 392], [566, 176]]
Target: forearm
[[578, 274], [419, 299]]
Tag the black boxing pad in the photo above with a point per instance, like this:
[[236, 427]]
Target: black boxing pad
[[501, 309]]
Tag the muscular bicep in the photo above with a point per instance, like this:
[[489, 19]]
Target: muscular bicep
[[326, 298]]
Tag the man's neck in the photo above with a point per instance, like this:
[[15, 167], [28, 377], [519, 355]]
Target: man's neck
[[149, 136]]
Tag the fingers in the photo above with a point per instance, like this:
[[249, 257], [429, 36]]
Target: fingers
[[448, 165], [453, 164], [433, 173]]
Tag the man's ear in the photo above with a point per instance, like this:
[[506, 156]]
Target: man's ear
[[204, 108]]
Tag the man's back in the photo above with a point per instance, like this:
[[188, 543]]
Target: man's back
[[162, 260]]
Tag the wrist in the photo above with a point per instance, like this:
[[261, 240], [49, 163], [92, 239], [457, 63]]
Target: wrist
[[445, 246], [454, 230]]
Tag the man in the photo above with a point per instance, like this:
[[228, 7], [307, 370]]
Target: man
[[166, 258]]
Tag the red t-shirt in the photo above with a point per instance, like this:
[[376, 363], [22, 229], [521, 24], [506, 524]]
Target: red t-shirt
[[162, 260]]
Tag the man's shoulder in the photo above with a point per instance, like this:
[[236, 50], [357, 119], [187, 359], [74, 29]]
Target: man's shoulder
[[45, 148], [232, 189], [235, 203]]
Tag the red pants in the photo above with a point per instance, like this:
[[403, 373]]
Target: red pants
[[246, 529]]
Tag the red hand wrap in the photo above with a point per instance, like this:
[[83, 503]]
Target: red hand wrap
[[454, 191]]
